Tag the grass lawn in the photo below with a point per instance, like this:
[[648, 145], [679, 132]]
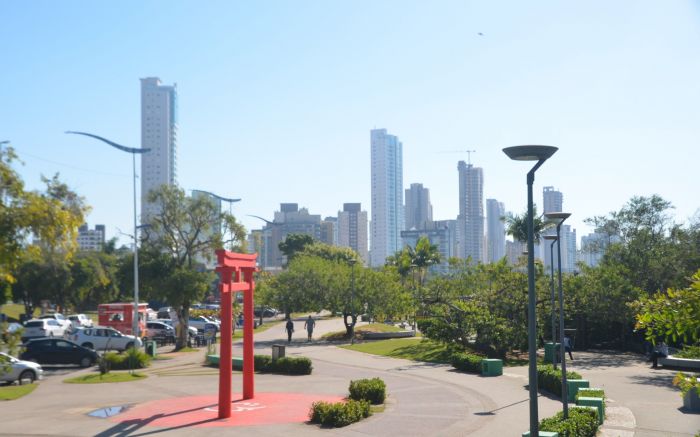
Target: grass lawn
[[413, 349], [13, 310], [96, 378], [359, 330], [12, 392]]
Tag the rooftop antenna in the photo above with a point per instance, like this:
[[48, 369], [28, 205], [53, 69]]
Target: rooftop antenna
[[468, 152]]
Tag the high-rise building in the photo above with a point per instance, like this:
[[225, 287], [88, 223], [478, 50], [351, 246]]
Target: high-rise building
[[290, 219], [495, 230], [329, 231], [387, 195], [440, 233], [419, 211], [553, 200], [471, 212], [91, 239], [158, 133], [352, 229], [593, 247]]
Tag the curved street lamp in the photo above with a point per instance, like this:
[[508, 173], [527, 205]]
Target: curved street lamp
[[133, 151], [558, 218], [539, 154], [553, 239]]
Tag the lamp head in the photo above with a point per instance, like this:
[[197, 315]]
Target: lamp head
[[557, 217], [550, 237], [530, 153]]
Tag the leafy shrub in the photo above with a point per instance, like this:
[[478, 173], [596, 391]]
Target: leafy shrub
[[549, 379], [590, 393], [467, 362], [692, 352], [131, 359], [290, 366], [372, 390], [582, 422], [686, 382], [339, 414], [262, 362]]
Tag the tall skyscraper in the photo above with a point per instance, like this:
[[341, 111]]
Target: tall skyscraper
[[495, 230], [352, 229], [387, 195], [471, 212], [290, 219], [419, 211], [553, 200], [158, 133]]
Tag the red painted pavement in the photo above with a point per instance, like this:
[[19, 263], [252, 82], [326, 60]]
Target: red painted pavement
[[202, 411]]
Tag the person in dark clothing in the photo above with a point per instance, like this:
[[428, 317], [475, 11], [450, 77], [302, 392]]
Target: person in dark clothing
[[568, 347], [290, 329], [660, 351], [309, 324]]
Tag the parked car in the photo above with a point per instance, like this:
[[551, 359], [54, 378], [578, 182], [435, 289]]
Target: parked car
[[192, 331], [101, 338], [39, 328], [80, 321], [11, 328], [164, 312], [60, 318], [265, 311], [13, 369], [157, 329], [58, 351], [200, 323]]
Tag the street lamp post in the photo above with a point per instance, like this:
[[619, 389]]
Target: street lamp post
[[352, 262], [559, 217], [539, 154], [553, 238], [133, 151]]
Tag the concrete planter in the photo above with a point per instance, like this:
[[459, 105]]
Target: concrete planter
[[691, 400], [598, 403], [542, 434], [572, 386]]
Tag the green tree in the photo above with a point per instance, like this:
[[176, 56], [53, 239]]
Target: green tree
[[294, 244], [672, 315], [516, 225], [185, 233]]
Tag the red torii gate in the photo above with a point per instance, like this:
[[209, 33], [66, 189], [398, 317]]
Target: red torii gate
[[230, 265]]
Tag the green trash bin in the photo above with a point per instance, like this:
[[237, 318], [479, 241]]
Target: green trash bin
[[551, 352], [491, 367], [150, 347]]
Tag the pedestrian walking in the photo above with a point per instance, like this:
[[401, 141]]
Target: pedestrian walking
[[309, 325], [290, 329], [568, 347]]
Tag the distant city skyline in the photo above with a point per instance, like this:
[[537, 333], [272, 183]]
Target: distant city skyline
[[279, 116]]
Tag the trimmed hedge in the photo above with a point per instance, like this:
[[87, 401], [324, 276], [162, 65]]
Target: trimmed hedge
[[582, 422], [284, 365], [467, 362], [338, 414], [550, 380], [132, 359], [590, 393], [371, 390]]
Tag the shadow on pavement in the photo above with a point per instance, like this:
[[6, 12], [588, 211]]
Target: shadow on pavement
[[598, 359], [130, 427], [655, 378]]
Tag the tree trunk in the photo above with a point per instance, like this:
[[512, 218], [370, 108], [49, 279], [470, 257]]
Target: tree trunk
[[183, 315], [349, 327]]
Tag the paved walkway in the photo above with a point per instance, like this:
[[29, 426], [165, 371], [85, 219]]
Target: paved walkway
[[424, 399]]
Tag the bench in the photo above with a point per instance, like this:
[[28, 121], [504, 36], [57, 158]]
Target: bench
[[673, 361]]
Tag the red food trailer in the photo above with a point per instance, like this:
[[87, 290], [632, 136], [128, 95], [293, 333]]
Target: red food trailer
[[120, 316]]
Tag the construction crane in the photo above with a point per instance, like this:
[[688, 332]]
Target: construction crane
[[468, 152]]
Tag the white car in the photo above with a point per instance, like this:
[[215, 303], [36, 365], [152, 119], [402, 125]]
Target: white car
[[60, 318], [203, 323], [13, 369], [103, 338], [39, 328], [80, 321], [190, 329]]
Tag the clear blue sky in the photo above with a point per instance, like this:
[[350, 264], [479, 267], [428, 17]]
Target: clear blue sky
[[277, 98]]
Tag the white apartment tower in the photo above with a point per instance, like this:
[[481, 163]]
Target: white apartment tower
[[158, 133], [352, 229], [471, 212], [495, 231], [419, 211], [387, 195], [553, 201]]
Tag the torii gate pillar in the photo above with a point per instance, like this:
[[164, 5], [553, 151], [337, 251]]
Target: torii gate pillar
[[230, 265]]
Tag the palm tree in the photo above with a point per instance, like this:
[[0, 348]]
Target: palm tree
[[516, 226]]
